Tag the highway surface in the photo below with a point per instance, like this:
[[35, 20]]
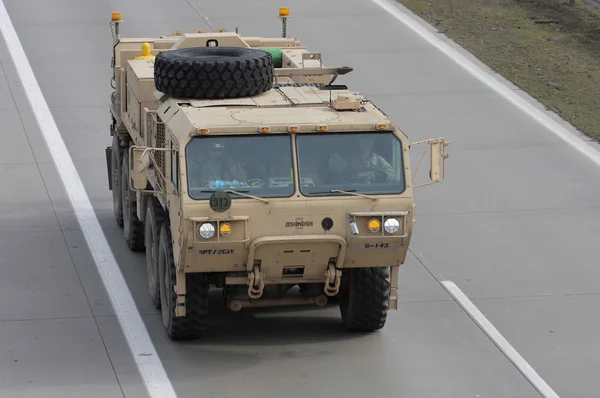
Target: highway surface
[[514, 226]]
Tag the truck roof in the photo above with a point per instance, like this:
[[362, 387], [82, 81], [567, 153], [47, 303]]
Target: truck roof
[[287, 107], [302, 99]]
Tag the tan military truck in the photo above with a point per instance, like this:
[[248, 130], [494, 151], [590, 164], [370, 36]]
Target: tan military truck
[[237, 164]]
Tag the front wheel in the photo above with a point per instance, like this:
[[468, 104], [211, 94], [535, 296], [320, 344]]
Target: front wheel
[[194, 323], [364, 295]]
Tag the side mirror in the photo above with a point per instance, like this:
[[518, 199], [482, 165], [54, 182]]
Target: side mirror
[[438, 156], [139, 158]]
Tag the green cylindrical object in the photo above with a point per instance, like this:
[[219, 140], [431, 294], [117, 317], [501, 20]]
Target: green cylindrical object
[[275, 54]]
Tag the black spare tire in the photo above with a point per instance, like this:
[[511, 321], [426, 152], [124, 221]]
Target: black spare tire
[[213, 72]]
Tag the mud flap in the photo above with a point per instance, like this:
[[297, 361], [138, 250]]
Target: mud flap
[[180, 290], [108, 151], [394, 284]]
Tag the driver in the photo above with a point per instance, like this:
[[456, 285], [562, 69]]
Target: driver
[[364, 158], [213, 164]]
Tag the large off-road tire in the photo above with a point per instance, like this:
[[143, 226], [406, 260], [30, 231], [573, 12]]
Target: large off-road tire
[[213, 72], [364, 295], [115, 160], [195, 322], [133, 228], [155, 217]]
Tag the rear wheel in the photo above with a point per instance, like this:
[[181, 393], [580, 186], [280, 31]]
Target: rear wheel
[[194, 323], [364, 295], [133, 228], [155, 217]]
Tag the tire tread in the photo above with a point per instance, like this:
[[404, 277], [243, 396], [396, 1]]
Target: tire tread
[[184, 73]]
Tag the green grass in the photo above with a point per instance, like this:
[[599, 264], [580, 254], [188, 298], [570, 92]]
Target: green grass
[[556, 63]]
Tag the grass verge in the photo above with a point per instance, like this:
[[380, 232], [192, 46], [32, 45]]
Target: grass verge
[[545, 47]]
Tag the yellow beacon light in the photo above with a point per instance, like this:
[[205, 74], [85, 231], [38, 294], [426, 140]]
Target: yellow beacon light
[[374, 225], [116, 17], [284, 14]]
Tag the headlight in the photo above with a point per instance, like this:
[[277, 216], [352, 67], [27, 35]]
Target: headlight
[[391, 225], [206, 230]]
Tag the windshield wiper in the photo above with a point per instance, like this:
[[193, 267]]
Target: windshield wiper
[[331, 191], [226, 190], [241, 193], [350, 191]]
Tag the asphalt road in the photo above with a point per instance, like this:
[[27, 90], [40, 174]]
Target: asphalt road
[[515, 226]]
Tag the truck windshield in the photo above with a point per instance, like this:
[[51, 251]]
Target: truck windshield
[[260, 165], [369, 163]]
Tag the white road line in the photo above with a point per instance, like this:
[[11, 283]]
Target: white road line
[[488, 79], [499, 340], [154, 376]]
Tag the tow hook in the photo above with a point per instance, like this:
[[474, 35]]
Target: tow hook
[[256, 283], [334, 275]]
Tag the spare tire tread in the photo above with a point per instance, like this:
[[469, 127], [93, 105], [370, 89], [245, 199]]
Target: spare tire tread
[[213, 72]]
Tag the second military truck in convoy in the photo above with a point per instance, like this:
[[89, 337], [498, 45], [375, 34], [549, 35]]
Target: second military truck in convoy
[[237, 164]]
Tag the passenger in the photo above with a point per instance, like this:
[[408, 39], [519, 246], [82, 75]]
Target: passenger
[[213, 164], [362, 160]]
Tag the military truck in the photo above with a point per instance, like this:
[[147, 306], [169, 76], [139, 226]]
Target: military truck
[[237, 164]]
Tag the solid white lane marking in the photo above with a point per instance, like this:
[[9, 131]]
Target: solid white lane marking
[[153, 374], [495, 84], [489, 329]]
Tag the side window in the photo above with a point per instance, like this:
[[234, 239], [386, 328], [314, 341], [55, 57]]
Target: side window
[[396, 159], [174, 167]]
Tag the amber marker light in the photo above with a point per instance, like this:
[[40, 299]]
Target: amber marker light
[[374, 225], [225, 229]]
